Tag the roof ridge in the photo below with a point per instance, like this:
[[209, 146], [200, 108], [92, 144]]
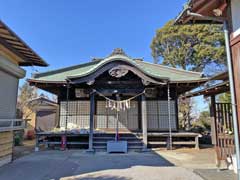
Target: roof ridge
[[37, 75], [163, 66]]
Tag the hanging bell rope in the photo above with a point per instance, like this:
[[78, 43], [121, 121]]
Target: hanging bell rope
[[169, 117], [118, 104]]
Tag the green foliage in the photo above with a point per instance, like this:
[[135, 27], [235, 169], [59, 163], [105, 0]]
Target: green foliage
[[190, 47], [224, 98], [203, 122], [17, 140], [18, 137]]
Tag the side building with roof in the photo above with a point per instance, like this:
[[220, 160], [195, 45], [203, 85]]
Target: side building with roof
[[13, 54]]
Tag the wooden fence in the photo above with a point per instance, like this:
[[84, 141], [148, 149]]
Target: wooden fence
[[224, 130]]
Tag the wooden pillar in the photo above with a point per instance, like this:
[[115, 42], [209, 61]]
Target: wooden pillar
[[214, 130], [144, 121], [91, 123], [213, 119], [139, 114]]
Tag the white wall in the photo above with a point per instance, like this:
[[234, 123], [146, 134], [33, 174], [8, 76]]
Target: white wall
[[9, 77], [8, 95], [235, 7]]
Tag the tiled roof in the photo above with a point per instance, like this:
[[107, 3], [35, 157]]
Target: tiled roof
[[12, 42], [153, 70]]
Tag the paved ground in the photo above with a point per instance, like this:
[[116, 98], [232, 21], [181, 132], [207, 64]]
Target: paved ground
[[26, 148], [201, 162], [214, 174], [74, 165], [190, 158]]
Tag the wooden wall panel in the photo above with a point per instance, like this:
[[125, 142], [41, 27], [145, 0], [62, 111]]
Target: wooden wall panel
[[236, 69], [6, 147]]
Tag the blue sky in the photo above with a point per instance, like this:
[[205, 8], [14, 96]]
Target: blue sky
[[71, 32]]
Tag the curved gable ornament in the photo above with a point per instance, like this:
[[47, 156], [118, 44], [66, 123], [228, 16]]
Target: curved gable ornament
[[117, 65], [118, 71]]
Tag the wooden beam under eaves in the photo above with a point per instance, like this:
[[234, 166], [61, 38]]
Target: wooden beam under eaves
[[20, 47], [15, 42], [4, 36]]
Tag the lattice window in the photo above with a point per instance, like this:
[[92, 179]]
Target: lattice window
[[123, 119], [78, 114], [152, 114], [132, 116], [157, 115], [106, 118], [101, 119]]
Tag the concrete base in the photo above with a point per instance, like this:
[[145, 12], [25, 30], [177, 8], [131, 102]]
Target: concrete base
[[36, 149], [117, 146]]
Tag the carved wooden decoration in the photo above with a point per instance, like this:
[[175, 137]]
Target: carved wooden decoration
[[118, 72]]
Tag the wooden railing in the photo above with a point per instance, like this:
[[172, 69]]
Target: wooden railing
[[11, 124]]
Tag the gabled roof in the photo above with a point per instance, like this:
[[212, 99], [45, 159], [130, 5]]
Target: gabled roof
[[42, 99], [211, 90], [153, 70], [17, 46], [216, 84], [220, 76]]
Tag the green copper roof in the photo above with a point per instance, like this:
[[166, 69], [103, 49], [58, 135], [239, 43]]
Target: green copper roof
[[150, 69]]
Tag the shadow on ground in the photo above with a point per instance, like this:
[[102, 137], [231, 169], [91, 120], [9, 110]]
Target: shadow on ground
[[54, 165]]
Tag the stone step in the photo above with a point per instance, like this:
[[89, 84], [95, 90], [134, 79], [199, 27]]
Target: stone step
[[100, 147], [129, 142], [113, 135], [104, 147], [100, 141], [109, 139]]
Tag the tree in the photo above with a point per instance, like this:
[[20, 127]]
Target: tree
[[26, 93], [204, 121], [224, 98], [190, 47], [185, 111]]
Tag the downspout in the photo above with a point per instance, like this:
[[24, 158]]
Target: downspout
[[231, 80], [233, 99]]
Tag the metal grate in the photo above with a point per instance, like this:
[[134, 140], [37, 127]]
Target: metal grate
[[106, 118], [78, 114], [157, 114]]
